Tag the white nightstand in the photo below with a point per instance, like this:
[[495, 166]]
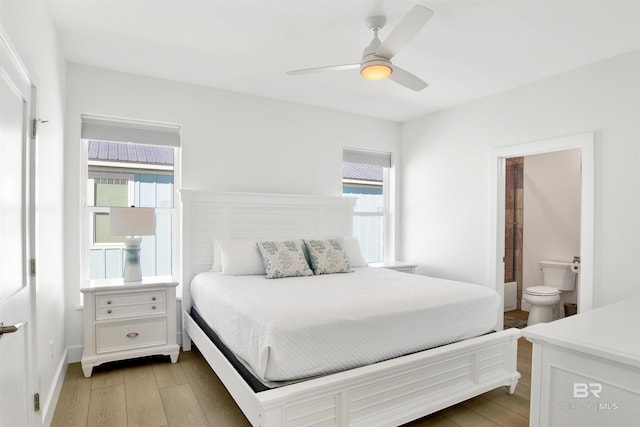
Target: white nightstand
[[123, 320], [405, 267]]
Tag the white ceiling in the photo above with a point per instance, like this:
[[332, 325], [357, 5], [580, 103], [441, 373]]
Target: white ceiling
[[468, 50]]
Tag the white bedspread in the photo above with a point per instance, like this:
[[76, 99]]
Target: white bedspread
[[300, 327]]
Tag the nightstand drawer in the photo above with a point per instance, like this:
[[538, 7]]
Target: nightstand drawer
[[129, 298], [120, 311], [123, 320], [127, 336]]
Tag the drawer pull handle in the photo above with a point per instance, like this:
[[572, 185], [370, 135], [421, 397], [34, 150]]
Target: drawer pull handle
[[153, 307], [109, 301], [109, 311], [132, 334], [153, 298]]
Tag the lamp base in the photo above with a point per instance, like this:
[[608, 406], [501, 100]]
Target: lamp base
[[132, 270]]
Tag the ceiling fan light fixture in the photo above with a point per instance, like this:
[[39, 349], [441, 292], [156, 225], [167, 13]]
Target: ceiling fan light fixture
[[376, 57], [376, 71]]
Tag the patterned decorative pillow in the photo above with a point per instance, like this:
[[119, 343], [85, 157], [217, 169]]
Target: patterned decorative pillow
[[284, 259], [327, 256]]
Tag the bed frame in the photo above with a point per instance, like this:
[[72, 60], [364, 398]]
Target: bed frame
[[391, 392]]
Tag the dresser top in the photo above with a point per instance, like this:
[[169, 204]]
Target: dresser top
[[120, 285], [612, 332]]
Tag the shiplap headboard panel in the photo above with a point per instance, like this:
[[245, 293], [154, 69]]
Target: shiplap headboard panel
[[253, 215]]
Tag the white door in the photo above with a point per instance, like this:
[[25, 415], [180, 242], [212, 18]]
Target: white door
[[16, 398]]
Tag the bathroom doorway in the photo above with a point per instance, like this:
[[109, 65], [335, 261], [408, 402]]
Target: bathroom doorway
[[513, 230], [499, 157], [542, 222]]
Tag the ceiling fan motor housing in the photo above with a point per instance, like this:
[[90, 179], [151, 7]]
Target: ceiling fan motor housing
[[376, 22], [372, 66]]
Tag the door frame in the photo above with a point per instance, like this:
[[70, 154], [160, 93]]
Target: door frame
[[583, 141]]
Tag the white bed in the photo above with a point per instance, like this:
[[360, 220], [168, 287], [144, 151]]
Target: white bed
[[389, 392], [300, 327]]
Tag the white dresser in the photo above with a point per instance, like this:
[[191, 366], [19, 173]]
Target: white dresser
[[586, 368], [123, 320]]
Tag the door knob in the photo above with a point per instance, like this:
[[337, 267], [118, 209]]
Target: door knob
[[9, 329]]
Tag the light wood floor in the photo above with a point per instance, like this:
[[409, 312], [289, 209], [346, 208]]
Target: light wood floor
[[153, 392], [518, 314]]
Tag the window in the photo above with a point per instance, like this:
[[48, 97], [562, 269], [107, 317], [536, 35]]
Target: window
[[364, 175], [120, 174]]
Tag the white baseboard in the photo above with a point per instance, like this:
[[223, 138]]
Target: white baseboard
[[74, 354], [50, 401]]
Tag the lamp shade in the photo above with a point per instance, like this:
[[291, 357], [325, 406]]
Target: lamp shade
[[132, 221]]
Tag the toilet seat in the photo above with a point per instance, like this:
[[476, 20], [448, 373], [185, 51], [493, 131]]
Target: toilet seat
[[542, 290]]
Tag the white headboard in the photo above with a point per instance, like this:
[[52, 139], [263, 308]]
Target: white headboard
[[253, 215]]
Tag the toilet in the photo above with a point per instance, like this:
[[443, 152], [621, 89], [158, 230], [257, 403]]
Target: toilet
[[556, 277]]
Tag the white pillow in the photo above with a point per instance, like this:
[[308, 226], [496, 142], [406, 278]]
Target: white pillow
[[216, 265], [352, 248], [240, 257]]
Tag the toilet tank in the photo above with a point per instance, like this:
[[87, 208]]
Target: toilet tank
[[558, 274]]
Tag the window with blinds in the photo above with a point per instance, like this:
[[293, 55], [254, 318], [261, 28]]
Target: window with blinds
[[129, 163], [364, 176]]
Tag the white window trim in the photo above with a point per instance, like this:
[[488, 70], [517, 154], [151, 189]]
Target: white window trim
[[388, 251], [86, 240], [117, 165], [387, 239]]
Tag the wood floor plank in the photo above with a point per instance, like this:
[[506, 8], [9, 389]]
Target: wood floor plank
[[107, 407], [525, 370], [73, 404], [106, 377], [513, 402], [526, 358], [144, 405], [433, 420], [194, 353], [182, 407], [466, 418], [217, 403], [518, 314], [523, 391], [168, 374], [496, 413]]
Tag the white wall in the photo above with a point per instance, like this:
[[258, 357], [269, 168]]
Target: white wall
[[31, 31], [552, 183], [230, 142], [444, 172]]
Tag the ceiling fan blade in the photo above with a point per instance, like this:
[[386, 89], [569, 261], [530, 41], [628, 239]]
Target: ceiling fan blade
[[407, 79], [406, 30], [322, 69]]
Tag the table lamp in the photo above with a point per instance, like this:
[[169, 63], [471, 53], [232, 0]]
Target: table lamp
[[132, 223]]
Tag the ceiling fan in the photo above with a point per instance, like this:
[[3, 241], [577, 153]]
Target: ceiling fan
[[376, 58]]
